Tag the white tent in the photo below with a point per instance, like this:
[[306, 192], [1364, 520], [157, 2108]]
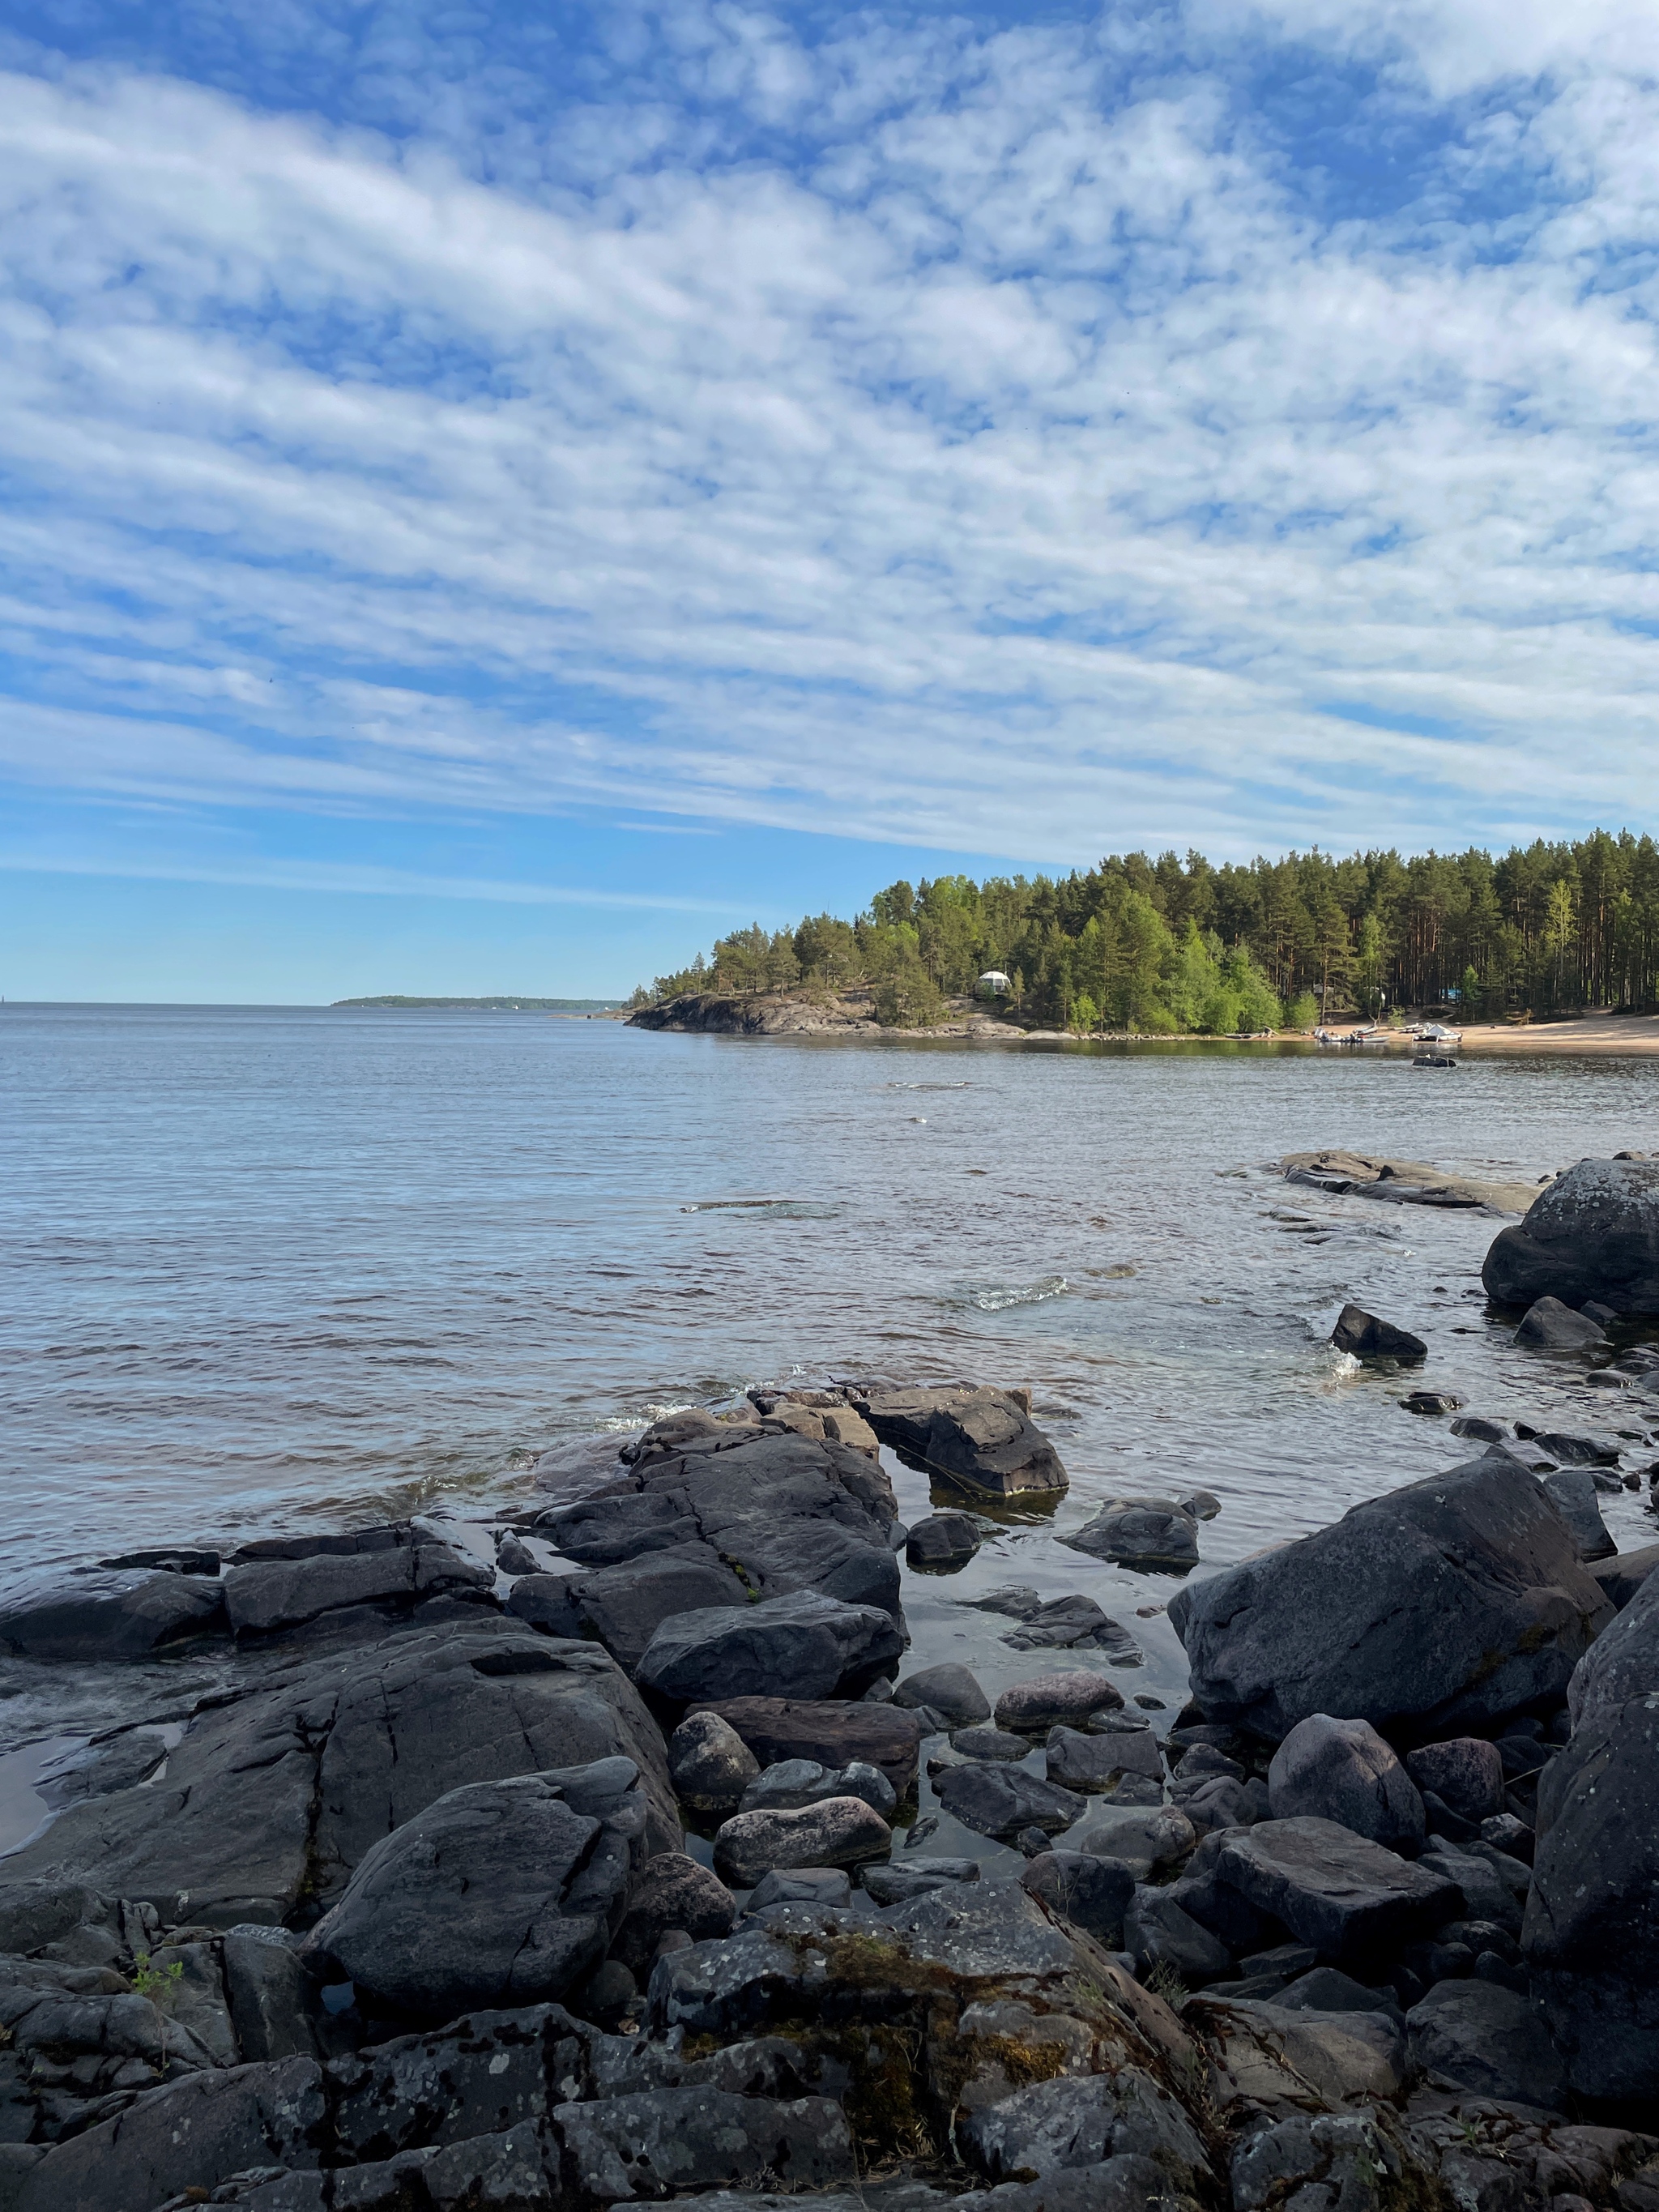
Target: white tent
[[994, 984]]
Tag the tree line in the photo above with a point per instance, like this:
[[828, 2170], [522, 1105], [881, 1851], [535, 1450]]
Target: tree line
[[1162, 947]]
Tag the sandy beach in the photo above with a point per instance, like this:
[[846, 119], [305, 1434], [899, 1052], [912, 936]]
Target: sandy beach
[[1595, 1033]]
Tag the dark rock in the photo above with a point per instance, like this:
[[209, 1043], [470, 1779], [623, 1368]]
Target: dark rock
[[1200, 1504], [1364, 1336], [181, 1560], [838, 1832], [1442, 1822], [990, 1743], [951, 1691], [265, 1597], [1039, 1702], [270, 1995], [1479, 1428], [983, 1439], [1091, 1893], [831, 1731], [1080, 2121], [500, 1893], [1573, 1490], [710, 1764], [1222, 1801], [271, 1800], [1520, 1755], [793, 1782], [1591, 1936], [1076, 1624], [661, 2141], [118, 1613], [1157, 1932], [1549, 1325], [897, 1883], [1593, 1233], [1486, 2038], [1623, 1575], [1465, 1772], [804, 1645], [831, 1887], [1144, 1839], [1337, 1891], [1139, 1532], [1325, 2159], [548, 1602], [1327, 1989], [670, 1891], [942, 1542], [624, 1606], [1000, 1800], [607, 1993], [1486, 1894], [1450, 1601], [1568, 1448], [1344, 1771], [1433, 1403], [1090, 1763], [1511, 1836]]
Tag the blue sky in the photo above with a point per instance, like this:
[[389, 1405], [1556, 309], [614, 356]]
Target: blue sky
[[495, 496]]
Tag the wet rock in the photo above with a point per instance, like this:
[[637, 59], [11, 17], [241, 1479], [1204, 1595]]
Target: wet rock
[[1364, 1336], [983, 1439], [1200, 1504], [276, 1796], [1139, 1532], [1593, 1233], [624, 1606], [1090, 1763], [121, 1614], [1344, 1771], [1432, 1403], [1479, 2037], [710, 1764], [831, 1731], [806, 1645], [1080, 2121], [1000, 1800], [1346, 1896], [1277, 2054], [548, 1602], [990, 1743], [1143, 1839], [830, 1886], [670, 1891], [1480, 1428], [1623, 1575], [898, 1882], [840, 1831], [1465, 1772], [660, 2143], [1091, 1893], [1549, 1325], [793, 1782], [264, 1596], [1573, 1490], [1571, 1448], [1591, 1936], [1157, 1932], [952, 1691], [1448, 1602], [500, 1893], [942, 1542], [1044, 1700], [1075, 1624]]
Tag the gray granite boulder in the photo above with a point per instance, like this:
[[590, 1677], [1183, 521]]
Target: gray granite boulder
[[983, 1439], [1593, 1233], [1447, 1603], [710, 1764], [499, 1894], [1001, 1801], [804, 1645], [1139, 1532], [1344, 1771], [1080, 2121], [1549, 1325], [622, 1607], [1344, 1895], [835, 1832], [1038, 1704], [951, 1691], [661, 2141], [1144, 1839], [1091, 1762], [1277, 2054], [116, 1614], [1478, 2036]]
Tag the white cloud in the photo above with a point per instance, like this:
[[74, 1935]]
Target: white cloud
[[1031, 461]]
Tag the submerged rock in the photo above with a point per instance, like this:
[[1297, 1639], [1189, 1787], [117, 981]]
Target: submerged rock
[[793, 1782], [1139, 1532], [120, 1614], [1447, 1603], [1549, 1325], [1594, 1233], [942, 1542]]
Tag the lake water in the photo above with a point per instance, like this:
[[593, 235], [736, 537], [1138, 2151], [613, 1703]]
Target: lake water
[[279, 1268]]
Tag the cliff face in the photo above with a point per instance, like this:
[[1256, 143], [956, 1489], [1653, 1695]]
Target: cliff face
[[783, 1013]]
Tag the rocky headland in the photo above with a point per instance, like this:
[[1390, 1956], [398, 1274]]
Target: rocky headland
[[576, 1858]]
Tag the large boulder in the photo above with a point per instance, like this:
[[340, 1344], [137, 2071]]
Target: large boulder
[[119, 1615], [1591, 1936], [271, 1800], [983, 1440], [1343, 1770], [804, 1645], [1594, 1233], [499, 1894], [1442, 1606], [837, 1832], [1479, 2036], [1347, 1896]]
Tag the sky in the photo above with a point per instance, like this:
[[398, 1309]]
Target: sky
[[496, 494]]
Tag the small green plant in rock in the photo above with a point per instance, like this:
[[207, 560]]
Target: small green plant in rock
[[155, 1982]]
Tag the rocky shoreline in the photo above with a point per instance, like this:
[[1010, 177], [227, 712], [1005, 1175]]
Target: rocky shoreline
[[576, 1859]]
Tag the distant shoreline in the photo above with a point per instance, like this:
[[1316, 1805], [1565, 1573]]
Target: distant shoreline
[[500, 1006]]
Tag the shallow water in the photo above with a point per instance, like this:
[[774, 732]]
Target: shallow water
[[280, 1268]]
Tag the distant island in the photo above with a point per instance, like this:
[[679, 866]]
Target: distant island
[[497, 1005]]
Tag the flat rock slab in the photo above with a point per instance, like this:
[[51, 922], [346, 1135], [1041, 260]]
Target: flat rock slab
[[806, 1645], [110, 1615], [898, 1881], [1090, 1762], [1074, 1623], [265, 1597], [1278, 2053], [831, 1731], [1436, 1608], [1336, 1891], [1405, 1182], [839, 1832], [1001, 1801], [1043, 1700]]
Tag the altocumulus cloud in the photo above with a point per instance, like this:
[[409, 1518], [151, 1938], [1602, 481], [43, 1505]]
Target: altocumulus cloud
[[1233, 427]]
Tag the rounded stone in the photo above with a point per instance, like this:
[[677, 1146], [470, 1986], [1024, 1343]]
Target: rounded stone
[[1045, 1700], [841, 1832], [710, 1764]]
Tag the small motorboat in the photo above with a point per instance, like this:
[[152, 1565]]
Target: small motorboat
[[1433, 1055]]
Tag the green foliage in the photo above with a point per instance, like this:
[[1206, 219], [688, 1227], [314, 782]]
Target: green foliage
[[155, 1982], [1160, 946]]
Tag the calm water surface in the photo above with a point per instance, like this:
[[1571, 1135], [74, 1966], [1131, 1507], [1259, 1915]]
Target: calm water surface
[[274, 1268]]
